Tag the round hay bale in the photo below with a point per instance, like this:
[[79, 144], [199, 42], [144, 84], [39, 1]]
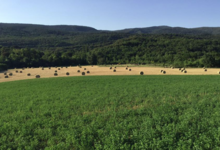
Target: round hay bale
[[185, 71], [129, 69], [179, 69], [84, 68], [6, 76], [205, 70], [20, 71], [10, 74], [126, 68], [182, 70], [78, 70], [58, 68], [5, 73], [55, 70], [114, 70], [42, 68], [83, 73], [110, 68], [55, 74], [141, 73], [88, 72], [37, 76], [16, 71], [67, 73], [49, 68], [161, 71], [164, 72], [115, 67], [28, 74]]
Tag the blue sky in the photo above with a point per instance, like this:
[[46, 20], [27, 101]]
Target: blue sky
[[112, 14]]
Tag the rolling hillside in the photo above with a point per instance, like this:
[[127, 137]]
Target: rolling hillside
[[71, 36], [65, 45], [33, 29], [173, 30]]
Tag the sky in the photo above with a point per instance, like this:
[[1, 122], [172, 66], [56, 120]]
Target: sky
[[113, 14]]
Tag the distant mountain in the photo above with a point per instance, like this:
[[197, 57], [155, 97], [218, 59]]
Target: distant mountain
[[33, 29], [172, 30], [81, 37], [54, 37], [210, 30], [61, 45]]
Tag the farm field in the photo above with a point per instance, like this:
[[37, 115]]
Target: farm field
[[111, 112], [96, 70]]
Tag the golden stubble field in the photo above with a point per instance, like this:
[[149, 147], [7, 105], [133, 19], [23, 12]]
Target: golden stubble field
[[96, 70]]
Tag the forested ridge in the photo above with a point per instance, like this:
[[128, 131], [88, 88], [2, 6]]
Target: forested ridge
[[37, 45]]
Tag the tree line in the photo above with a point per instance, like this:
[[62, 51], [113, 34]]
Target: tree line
[[168, 49]]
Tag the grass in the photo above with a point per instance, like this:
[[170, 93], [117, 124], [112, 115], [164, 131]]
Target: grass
[[111, 112]]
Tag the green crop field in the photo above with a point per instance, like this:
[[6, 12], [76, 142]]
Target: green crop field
[[111, 112]]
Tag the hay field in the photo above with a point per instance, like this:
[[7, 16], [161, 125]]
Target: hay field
[[96, 70]]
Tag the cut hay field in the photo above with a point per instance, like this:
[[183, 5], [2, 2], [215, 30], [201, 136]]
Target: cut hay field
[[111, 112], [97, 70]]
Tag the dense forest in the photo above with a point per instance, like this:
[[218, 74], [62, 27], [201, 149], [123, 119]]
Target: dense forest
[[37, 45]]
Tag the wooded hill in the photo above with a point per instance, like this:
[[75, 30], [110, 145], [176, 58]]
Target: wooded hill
[[33, 29], [173, 30], [25, 45]]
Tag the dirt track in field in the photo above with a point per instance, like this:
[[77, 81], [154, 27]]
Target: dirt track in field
[[95, 70]]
